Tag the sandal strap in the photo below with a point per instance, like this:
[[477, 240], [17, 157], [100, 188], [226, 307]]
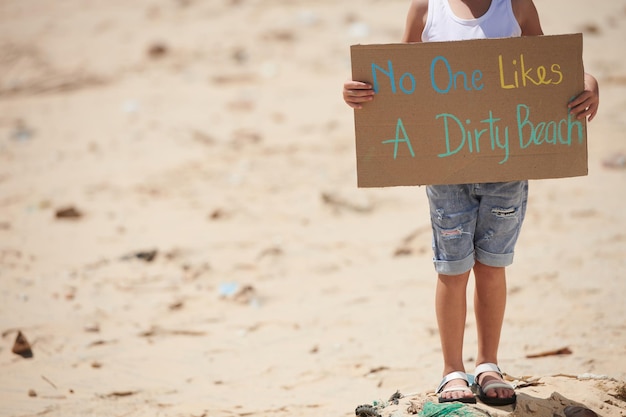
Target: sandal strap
[[455, 389], [486, 367], [496, 384], [451, 376]]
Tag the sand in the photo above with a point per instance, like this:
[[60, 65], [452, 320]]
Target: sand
[[181, 233]]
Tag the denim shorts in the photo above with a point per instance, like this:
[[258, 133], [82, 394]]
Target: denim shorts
[[475, 222]]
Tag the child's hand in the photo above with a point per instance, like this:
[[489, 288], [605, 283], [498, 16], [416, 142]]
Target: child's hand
[[355, 93], [586, 103]]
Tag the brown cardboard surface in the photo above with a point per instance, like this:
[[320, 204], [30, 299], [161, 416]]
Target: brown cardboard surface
[[484, 110]]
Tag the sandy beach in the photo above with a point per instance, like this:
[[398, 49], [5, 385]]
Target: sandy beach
[[181, 233]]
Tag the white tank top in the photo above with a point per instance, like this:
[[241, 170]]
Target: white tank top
[[443, 25]]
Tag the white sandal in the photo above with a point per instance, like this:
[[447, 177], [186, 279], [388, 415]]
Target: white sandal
[[481, 391], [450, 377]]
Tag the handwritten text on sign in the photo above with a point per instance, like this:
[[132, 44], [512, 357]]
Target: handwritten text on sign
[[471, 111]]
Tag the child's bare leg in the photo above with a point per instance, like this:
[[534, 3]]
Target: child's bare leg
[[489, 306], [451, 308]]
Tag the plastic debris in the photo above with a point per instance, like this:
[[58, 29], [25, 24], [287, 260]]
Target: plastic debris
[[228, 289], [22, 132], [242, 294], [455, 409]]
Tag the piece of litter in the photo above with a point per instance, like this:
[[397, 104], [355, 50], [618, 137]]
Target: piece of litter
[[454, 409], [228, 289], [555, 352], [588, 376], [615, 161]]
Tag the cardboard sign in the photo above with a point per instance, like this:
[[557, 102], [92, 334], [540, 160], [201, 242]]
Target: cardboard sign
[[485, 110]]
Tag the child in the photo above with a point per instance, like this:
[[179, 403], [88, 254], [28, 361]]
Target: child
[[485, 236]]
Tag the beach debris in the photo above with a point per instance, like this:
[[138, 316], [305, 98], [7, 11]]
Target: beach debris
[[376, 370], [119, 394], [590, 28], [193, 272], [594, 377], [555, 352], [177, 305], [414, 407], [455, 409], [92, 328], [144, 255], [577, 411], [68, 213], [101, 343], [52, 384], [158, 331], [408, 245], [32, 393], [366, 410], [523, 382], [395, 398], [615, 161], [21, 131], [22, 347], [339, 202], [157, 50], [243, 294], [227, 289], [218, 214]]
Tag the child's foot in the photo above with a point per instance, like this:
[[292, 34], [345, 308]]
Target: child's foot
[[455, 387], [490, 386]]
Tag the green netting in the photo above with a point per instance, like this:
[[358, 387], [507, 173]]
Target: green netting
[[453, 409]]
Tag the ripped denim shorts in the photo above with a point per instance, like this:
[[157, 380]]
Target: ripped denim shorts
[[475, 222]]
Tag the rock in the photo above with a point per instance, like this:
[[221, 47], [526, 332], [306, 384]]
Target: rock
[[69, 212], [22, 347], [366, 410], [575, 411]]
